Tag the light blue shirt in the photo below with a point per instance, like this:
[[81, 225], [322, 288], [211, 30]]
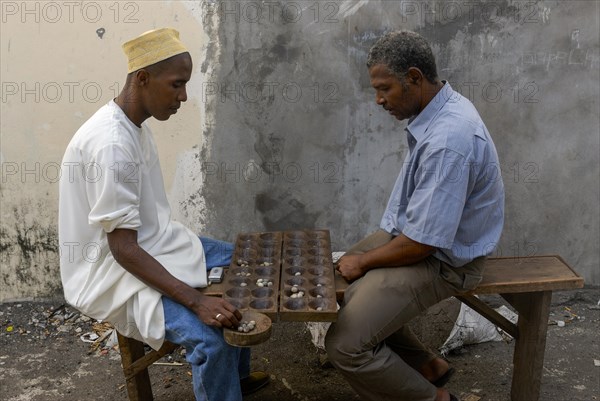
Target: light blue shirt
[[449, 193]]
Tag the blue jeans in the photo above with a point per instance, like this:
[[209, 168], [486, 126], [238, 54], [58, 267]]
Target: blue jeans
[[218, 253], [217, 367]]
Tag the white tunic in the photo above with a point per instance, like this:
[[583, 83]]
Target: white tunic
[[110, 179]]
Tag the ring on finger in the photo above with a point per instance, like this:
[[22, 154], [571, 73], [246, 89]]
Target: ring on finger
[[218, 316]]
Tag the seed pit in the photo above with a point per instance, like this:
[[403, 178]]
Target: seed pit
[[317, 252], [244, 262], [316, 243], [265, 271], [266, 259], [295, 269], [317, 270], [245, 237], [267, 243], [289, 292], [295, 261], [237, 292], [295, 242], [267, 236], [268, 252], [318, 261], [324, 281], [240, 271], [322, 291], [322, 303], [245, 244], [293, 252], [238, 303], [262, 292], [295, 303], [247, 253], [262, 303], [296, 280], [239, 282]]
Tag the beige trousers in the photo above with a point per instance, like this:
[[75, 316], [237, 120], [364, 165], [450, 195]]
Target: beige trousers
[[370, 343]]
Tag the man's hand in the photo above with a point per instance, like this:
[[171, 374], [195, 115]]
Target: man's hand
[[217, 312], [401, 251], [350, 267]]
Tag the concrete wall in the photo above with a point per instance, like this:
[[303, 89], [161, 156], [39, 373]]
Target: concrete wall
[[61, 61], [281, 130]]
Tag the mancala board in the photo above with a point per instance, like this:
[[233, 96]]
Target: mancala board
[[287, 275]]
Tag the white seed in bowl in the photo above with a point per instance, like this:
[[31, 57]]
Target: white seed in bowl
[[246, 327]]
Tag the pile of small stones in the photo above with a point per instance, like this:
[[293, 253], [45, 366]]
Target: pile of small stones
[[264, 282], [242, 263], [246, 327], [243, 274], [296, 293]]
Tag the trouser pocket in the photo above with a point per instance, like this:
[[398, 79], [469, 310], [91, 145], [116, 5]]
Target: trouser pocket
[[470, 281], [464, 278]]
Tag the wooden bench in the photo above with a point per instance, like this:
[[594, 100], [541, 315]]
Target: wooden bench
[[526, 283]]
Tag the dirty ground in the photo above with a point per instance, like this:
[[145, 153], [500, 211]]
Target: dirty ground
[[43, 357]]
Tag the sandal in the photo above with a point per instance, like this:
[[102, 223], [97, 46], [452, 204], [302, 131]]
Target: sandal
[[254, 382]]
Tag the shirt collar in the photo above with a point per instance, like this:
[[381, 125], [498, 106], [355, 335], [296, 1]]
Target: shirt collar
[[418, 124]]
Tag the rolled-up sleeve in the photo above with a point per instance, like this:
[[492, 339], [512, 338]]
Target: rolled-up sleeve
[[113, 183]]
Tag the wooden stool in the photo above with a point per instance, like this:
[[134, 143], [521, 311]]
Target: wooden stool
[[135, 363], [135, 360]]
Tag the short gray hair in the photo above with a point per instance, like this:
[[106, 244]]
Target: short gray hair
[[401, 50]]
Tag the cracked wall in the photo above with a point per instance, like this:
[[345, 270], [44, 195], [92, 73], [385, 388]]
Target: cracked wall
[[299, 142]]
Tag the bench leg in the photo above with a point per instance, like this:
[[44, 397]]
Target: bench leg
[[138, 386], [528, 360]]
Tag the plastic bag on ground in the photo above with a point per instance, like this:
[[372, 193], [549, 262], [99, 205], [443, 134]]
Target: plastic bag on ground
[[472, 328]]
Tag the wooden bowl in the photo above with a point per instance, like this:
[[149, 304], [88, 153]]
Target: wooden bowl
[[260, 334]]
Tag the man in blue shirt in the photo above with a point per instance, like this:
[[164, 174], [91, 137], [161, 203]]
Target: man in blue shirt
[[444, 216]]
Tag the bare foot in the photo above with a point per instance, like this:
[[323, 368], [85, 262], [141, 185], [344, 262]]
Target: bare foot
[[442, 395], [434, 369]]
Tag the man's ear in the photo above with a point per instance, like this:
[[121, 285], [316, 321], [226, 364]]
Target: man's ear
[[142, 77], [414, 76]]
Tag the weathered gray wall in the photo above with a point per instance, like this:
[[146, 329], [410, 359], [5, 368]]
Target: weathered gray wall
[[281, 130], [297, 140]]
